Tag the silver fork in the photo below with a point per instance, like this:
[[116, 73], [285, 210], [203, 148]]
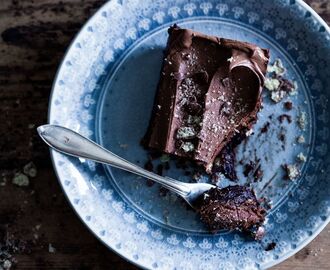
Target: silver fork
[[69, 142]]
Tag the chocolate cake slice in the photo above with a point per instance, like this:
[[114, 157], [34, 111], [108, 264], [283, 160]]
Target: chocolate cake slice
[[209, 90], [232, 208]]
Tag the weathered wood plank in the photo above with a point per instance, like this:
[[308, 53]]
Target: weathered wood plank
[[34, 36]]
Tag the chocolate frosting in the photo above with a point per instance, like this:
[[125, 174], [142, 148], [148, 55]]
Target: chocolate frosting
[[209, 90], [232, 208]]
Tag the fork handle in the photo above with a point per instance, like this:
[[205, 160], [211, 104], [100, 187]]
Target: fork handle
[[69, 142]]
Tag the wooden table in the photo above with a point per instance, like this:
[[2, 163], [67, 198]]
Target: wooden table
[[37, 224]]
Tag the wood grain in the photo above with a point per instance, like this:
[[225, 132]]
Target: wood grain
[[34, 36]]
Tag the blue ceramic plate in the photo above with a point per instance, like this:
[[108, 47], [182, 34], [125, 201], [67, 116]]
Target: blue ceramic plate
[[105, 89]]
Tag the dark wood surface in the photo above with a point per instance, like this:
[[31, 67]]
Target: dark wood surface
[[34, 36]]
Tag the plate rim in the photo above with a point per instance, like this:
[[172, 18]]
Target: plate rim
[[139, 264]]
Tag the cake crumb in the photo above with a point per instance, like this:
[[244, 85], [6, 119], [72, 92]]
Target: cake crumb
[[248, 168], [149, 183], [277, 67], [288, 105], [163, 192], [277, 96], [149, 166], [294, 90], [301, 157], [282, 117], [301, 139], [258, 174], [20, 180], [272, 84], [279, 86], [302, 120], [270, 246], [292, 171], [159, 169], [265, 128]]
